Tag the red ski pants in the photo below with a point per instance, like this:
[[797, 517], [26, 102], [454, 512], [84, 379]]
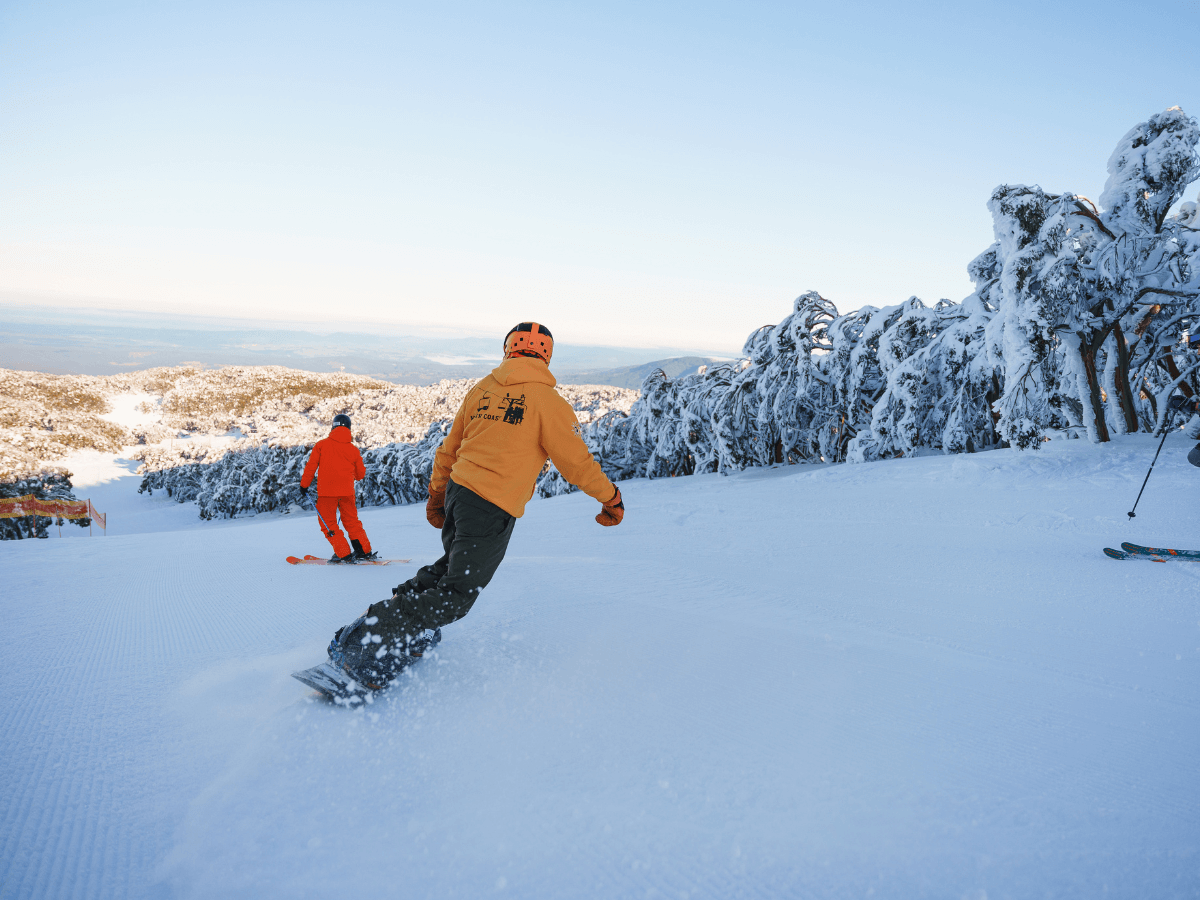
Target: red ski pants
[[327, 510]]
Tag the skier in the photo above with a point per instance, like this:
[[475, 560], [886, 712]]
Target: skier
[[340, 465], [483, 474], [1181, 402]]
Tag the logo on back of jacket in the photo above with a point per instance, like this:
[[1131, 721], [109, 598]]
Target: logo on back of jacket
[[510, 409]]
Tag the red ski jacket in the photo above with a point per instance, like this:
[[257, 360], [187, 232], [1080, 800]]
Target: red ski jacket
[[340, 463]]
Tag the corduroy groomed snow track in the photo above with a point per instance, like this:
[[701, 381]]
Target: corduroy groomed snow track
[[917, 678]]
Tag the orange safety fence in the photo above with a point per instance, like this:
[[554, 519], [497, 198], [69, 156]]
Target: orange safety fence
[[29, 505]]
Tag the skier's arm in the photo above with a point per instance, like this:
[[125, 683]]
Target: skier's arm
[[360, 470], [1181, 402], [570, 455], [310, 469]]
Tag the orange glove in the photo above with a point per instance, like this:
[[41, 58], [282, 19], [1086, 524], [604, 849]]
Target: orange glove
[[435, 508], [613, 512]]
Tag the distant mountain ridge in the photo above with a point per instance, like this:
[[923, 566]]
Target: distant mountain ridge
[[632, 376], [95, 343]]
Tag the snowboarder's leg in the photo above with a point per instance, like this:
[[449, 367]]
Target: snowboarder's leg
[[380, 643], [475, 538], [360, 651], [428, 576], [327, 520], [351, 523]]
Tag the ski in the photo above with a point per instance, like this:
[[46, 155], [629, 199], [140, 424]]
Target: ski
[[319, 561], [1166, 553], [1121, 554]]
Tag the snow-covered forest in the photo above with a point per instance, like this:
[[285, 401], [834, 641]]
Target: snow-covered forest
[[1075, 329], [45, 417], [398, 428], [235, 439]]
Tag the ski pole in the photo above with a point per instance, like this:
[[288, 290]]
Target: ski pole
[[321, 518], [1166, 431], [329, 531]]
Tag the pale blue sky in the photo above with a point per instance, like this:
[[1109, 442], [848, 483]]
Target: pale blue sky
[[666, 174]]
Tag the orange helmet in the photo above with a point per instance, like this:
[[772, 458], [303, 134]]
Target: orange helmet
[[529, 339]]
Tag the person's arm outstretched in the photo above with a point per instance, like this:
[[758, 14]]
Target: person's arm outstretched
[[570, 455]]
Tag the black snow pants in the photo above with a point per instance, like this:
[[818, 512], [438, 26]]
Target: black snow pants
[[475, 538]]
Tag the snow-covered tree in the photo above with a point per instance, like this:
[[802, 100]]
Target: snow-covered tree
[[939, 383], [46, 485], [1074, 278]]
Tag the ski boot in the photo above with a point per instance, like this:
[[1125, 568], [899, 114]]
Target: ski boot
[[347, 560], [360, 554]]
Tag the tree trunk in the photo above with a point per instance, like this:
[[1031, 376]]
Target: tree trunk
[[1087, 352], [1124, 392], [991, 397], [1173, 370]]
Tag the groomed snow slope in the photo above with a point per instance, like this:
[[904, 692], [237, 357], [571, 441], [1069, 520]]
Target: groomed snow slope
[[915, 678]]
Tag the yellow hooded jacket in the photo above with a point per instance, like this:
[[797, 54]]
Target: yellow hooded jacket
[[506, 428]]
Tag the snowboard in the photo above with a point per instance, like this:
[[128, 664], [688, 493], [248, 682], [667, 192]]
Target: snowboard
[[309, 560], [334, 685], [337, 686]]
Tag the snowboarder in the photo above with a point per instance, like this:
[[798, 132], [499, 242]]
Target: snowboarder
[[337, 464], [483, 474]]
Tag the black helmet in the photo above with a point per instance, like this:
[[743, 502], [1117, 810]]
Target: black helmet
[[343, 420]]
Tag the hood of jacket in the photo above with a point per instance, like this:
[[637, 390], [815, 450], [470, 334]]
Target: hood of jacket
[[523, 369], [341, 434]]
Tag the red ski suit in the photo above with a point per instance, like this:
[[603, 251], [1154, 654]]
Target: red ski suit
[[337, 464]]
